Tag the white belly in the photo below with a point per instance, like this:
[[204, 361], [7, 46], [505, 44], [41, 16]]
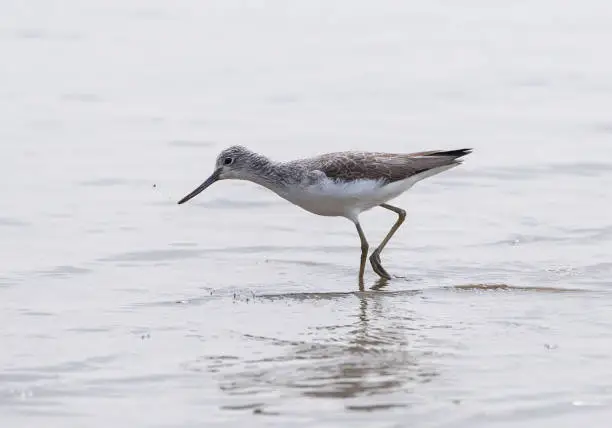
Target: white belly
[[348, 199], [331, 198]]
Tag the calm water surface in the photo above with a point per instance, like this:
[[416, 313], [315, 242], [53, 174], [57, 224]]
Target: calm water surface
[[120, 308]]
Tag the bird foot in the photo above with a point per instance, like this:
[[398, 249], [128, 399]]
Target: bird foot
[[377, 266]]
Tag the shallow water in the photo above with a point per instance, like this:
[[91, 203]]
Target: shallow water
[[120, 307]]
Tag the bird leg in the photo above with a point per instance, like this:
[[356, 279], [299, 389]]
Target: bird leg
[[375, 257], [364, 254]]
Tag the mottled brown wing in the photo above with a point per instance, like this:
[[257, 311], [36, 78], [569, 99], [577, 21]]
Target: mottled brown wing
[[388, 167]]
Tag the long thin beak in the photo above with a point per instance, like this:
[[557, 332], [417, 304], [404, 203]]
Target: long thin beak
[[210, 180]]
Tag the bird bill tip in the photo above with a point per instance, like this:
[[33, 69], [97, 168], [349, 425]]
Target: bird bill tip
[[214, 177]]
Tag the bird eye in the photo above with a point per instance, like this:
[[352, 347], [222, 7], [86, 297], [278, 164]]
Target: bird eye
[[227, 161]]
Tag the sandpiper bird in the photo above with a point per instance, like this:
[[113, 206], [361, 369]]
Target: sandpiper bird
[[342, 184]]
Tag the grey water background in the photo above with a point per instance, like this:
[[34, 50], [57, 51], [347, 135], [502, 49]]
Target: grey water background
[[120, 308]]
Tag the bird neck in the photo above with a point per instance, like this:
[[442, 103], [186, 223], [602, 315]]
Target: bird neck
[[267, 173]]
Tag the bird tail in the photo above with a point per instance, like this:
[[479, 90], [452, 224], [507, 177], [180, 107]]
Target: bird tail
[[434, 162], [453, 154]]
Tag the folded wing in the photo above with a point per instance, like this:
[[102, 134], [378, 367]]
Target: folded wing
[[387, 167]]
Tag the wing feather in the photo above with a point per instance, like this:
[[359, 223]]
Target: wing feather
[[388, 167]]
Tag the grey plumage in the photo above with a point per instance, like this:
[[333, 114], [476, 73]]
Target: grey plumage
[[387, 167], [341, 166]]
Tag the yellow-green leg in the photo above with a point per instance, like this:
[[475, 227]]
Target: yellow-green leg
[[375, 257], [364, 254]]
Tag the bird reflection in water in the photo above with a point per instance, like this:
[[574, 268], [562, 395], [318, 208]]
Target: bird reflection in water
[[375, 354]]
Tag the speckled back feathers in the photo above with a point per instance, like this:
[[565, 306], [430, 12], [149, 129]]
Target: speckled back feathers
[[387, 167]]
